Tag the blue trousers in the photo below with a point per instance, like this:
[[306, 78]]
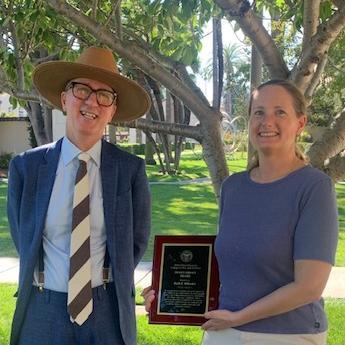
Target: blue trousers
[[48, 323]]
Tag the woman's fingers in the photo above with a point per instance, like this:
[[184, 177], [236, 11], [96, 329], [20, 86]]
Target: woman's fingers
[[149, 296]]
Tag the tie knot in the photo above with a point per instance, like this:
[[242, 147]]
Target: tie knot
[[83, 157]]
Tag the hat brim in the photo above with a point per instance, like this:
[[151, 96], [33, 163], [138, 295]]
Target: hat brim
[[51, 78]]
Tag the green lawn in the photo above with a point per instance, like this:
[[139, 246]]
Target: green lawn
[[192, 166], [6, 245], [171, 335], [181, 335], [181, 209], [7, 304], [340, 258]]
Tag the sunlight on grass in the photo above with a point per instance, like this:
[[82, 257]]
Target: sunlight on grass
[[167, 335], [171, 335], [7, 304], [340, 257], [335, 309], [181, 209]]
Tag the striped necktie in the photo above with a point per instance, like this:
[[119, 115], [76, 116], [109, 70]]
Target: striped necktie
[[79, 301]]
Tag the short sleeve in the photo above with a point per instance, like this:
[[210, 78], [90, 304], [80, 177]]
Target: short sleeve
[[316, 233]]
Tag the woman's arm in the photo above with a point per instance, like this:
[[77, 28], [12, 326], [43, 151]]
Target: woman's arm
[[310, 280]]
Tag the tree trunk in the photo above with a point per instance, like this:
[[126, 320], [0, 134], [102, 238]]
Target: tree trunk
[[255, 81], [34, 111], [149, 149], [213, 153], [218, 63], [112, 134]]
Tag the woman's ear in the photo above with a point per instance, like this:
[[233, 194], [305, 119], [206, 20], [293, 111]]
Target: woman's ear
[[302, 121]]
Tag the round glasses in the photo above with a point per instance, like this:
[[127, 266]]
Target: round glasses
[[82, 91]]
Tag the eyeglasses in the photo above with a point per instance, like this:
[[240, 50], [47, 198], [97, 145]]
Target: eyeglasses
[[82, 91]]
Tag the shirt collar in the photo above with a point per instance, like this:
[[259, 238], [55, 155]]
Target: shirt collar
[[69, 151]]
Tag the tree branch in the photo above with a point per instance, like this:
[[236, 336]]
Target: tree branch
[[140, 58], [320, 43], [18, 58], [336, 168], [316, 78], [94, 9], [311, 12], [173, 66], [164, 127], [331, 143], [338, 3], [254, 29], [40, 60], [117, 17], [218, 63]]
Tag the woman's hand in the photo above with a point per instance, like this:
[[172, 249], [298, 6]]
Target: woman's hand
[[220, 319], [149, 296]]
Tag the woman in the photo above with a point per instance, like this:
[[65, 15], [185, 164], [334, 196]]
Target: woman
[[277, 237]]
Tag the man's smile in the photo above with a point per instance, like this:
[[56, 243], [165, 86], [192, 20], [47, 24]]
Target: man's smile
[[89, 115]]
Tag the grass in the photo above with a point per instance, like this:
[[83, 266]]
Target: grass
[[7, 304], [193, 166], [6, 245], [167, 335], [335, 309], [181, 209], [340, 258], [171, 335]]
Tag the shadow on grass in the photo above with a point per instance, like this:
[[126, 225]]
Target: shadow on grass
[[182, 210]]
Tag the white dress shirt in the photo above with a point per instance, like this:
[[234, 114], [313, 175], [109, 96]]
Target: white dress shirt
[[58, 224]]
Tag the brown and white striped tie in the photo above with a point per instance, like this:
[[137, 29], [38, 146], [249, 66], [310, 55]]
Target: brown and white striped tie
[[79, 301]]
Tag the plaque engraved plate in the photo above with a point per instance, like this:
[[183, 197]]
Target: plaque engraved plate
[[185, 278]]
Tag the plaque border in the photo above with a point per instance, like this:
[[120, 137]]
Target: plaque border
[[156, 317]]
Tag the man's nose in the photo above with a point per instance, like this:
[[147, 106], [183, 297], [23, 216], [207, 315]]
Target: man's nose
[[92, 99]]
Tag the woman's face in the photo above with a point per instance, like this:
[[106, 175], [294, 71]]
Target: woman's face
[[273, 123]]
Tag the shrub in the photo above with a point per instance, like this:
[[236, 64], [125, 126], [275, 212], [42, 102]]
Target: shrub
[[5, 160], [136, 149]]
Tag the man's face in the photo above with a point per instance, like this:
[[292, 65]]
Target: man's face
[[86, 119]]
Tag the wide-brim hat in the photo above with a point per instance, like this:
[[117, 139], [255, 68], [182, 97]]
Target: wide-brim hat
[[95, 63]]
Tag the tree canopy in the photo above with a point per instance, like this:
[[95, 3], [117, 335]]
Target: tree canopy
[[160, 40]]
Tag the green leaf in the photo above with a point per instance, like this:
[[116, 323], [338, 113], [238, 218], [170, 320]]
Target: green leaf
[[13, 101], [188, 56], [325, 10]]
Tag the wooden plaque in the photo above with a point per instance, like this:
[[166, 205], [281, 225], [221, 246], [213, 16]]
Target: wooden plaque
[[185, 278]]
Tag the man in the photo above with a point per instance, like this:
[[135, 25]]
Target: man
[[77, 207]]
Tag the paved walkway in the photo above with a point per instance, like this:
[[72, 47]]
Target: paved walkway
[[335, 288]]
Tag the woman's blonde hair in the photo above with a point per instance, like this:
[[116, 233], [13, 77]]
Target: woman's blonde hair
[[300, 107]]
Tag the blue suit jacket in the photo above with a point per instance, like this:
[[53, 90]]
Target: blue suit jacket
[[127, 209]]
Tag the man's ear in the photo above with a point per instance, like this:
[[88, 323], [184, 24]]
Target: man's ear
[[63, 101]]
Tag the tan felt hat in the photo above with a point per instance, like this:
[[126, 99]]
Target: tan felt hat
[[95, 63]]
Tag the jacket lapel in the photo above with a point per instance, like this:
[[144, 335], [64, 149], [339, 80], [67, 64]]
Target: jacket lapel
[[109, 173], [45, 182]]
